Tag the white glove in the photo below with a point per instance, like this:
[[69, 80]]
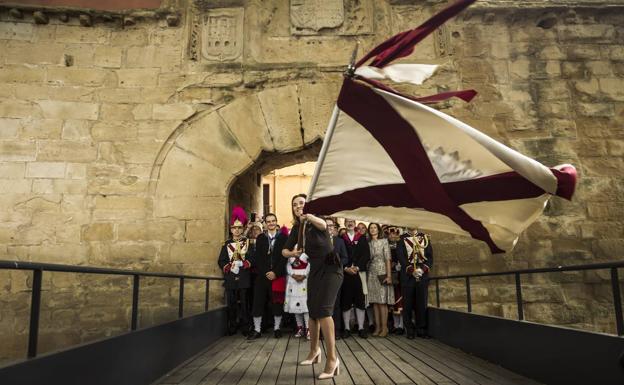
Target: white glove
[[235, 268], [303, 258], [418, 272], [397, 267], [238, 263]]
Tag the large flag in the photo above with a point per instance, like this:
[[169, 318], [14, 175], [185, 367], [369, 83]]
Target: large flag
[[391, 158]]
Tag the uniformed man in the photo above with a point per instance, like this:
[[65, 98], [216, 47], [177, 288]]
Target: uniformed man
[[236, 266], [415, 255]]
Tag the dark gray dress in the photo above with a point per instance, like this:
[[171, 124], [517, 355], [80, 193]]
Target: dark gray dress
[[324, 279]]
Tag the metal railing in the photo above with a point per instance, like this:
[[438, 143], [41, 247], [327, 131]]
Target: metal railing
[[612, 266], [39, 268]]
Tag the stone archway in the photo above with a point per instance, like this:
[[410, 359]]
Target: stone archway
[[195, 169]]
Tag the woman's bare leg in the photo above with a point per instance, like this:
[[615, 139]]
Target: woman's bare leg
[[377, 312], [314, 326], [327, 326], [383, 310]]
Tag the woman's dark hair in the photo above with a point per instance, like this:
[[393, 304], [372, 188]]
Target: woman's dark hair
[[296, 218], [380, 233]]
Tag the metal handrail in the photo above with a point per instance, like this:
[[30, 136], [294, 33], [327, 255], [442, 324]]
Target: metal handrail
[[39, 268], [612, 266]]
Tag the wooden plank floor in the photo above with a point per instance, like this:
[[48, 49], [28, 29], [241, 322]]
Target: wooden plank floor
[[373, 361]]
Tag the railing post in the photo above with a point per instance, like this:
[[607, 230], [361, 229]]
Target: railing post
[[468, 296], [617, 301], [181, 299], [437, 292], [35, 307], [519, 297], [135, 302], [207, 295]]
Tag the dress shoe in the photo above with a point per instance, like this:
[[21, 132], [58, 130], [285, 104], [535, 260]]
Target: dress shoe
[[334, 372], [315, 360], [399, 331], [362, 333], [254, 335], [277, 333], [422, 333], [410, 335]]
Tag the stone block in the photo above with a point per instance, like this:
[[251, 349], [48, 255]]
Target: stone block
[[280, 107], [125, 111], [210, 139], [77, 34], [599, 68], [41, 129], [9, 128], [91, 77], [16, 31], [129, 37], [120, 95], [317, 102], [17, 150], [191, 208], [22, 74], [107, 57], [76, 130], [20, 53], [113, 130], [613, 88], [177, 111], [185, 174], [245, 119], [69, 151], [138, 152], [595, 109], [156, 130], [12, 170], [69, 110], [19, 109], [51, 170], [76, 171], [202, 230], [167, 58], [144, 77], [193, 252], [98, 232], [159, 230]]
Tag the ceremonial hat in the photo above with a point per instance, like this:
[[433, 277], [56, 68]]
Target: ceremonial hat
[[239, 217]]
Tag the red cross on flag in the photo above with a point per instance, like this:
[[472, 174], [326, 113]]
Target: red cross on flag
[[412, 165]]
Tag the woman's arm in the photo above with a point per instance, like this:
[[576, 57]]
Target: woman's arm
[[316, 221]]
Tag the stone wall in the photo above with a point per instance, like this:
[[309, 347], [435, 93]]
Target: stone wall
[[120, 140]]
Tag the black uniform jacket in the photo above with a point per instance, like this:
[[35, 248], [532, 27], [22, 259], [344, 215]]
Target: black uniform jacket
[[242, 280], [407, 279]]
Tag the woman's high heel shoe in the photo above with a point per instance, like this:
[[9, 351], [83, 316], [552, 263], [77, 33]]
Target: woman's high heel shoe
[[315, 360], [335, 372]]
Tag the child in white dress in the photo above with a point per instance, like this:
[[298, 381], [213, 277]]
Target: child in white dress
[[296, 302]]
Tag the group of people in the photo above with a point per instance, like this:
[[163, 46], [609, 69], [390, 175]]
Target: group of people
[[321, 273]]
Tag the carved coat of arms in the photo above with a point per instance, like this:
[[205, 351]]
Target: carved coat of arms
[[217, 34], [307, 17]]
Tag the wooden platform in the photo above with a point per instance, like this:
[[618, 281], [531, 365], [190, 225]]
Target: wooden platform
[[392, 360]]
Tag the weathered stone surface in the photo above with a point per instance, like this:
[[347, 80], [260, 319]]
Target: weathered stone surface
[[245, 119], [280, 107], [210, 139], [68, 110], [317, 102], [98, 232], [45, 170]]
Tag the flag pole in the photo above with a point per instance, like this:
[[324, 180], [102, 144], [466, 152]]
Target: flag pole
[[330, 129]]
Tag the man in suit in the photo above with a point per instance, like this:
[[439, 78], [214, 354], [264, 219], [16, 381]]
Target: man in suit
[[270, 284], [415, 255]]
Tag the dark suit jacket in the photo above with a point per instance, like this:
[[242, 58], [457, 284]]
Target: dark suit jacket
[[408, 280], [274, 262], [341, 249]]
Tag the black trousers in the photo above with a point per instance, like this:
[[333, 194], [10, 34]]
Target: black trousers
[[352, 293], [237, 309], [416, 298], [337, 316], [262, 296]]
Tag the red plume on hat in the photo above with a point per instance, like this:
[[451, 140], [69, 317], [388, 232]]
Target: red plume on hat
[[284, 230], [239, 217]]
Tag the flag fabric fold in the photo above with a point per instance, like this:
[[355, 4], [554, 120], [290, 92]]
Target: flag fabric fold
[[411, 165], [390, 158]]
